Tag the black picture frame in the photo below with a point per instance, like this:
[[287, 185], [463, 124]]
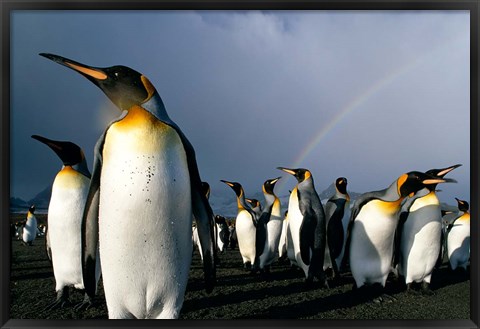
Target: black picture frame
[[7, 6]]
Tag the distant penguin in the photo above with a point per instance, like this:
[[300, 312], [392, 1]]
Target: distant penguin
[[374, 218], [223, 234], [306, 220], [255, 205], [458, 238], [448, 217], [420, 230], [19, 230], [30, 230], [144, 175], [232, 240], [335, 212], [269, 226], [245, 226], [65, 211]]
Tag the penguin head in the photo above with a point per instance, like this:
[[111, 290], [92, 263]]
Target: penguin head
[[269, 185], [462, 205], [300, 174], [70, 153], [124, 86], [236, 187], [440, 173], [32, 209], [414, 181], [341, 185], [206, 189], [254, 203]]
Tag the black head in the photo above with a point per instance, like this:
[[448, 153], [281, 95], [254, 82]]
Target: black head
[[32, 209], [300, 174], [220, 220], [70, 153], [124, 86], [269, 185], [341, 185], [236, 187], [254, 203], [462, 205], [441, 172], [415, 180]]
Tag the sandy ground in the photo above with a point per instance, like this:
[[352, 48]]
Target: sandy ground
[[240, 295]]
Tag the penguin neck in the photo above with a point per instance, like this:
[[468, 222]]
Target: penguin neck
[[241, 203], [307, 184], [391, 193], [156, 107], [82, 168], [340, 195], [269, 200]]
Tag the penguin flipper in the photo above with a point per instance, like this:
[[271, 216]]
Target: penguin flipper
[[203, 214], [90, 224], [261, 234], [48, 249], [398, 237], [307, 237], [335, 236]]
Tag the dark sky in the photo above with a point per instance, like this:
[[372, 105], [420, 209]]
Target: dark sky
[[365, 95]]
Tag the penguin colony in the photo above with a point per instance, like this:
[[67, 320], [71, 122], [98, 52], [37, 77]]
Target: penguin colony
[[145, 175]]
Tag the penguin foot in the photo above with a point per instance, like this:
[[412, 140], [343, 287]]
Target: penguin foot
[[426, 289], [247, 266], [384, 298], [86, 304], [58, 303], [61, 301]]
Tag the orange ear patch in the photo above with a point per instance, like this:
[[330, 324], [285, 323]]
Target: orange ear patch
[[400, 181], [148, 87]]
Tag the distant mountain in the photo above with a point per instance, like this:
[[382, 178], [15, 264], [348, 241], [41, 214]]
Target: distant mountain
[[223, 202], [18, 203], [42, 199]]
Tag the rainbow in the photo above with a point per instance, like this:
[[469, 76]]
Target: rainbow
[[359, 100]]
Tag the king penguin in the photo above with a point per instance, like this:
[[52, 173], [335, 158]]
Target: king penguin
[[65, 211], [334, 212], [245, 227], [255, 205], [447, 218], [419, 233], [306, 221], [144, 175], [269, 226], [30, 230], [458, 238], [371, 230]]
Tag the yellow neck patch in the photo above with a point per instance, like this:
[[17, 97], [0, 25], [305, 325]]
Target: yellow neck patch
[[136, 117], [427, 200], [465, 217], [387, 207]]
